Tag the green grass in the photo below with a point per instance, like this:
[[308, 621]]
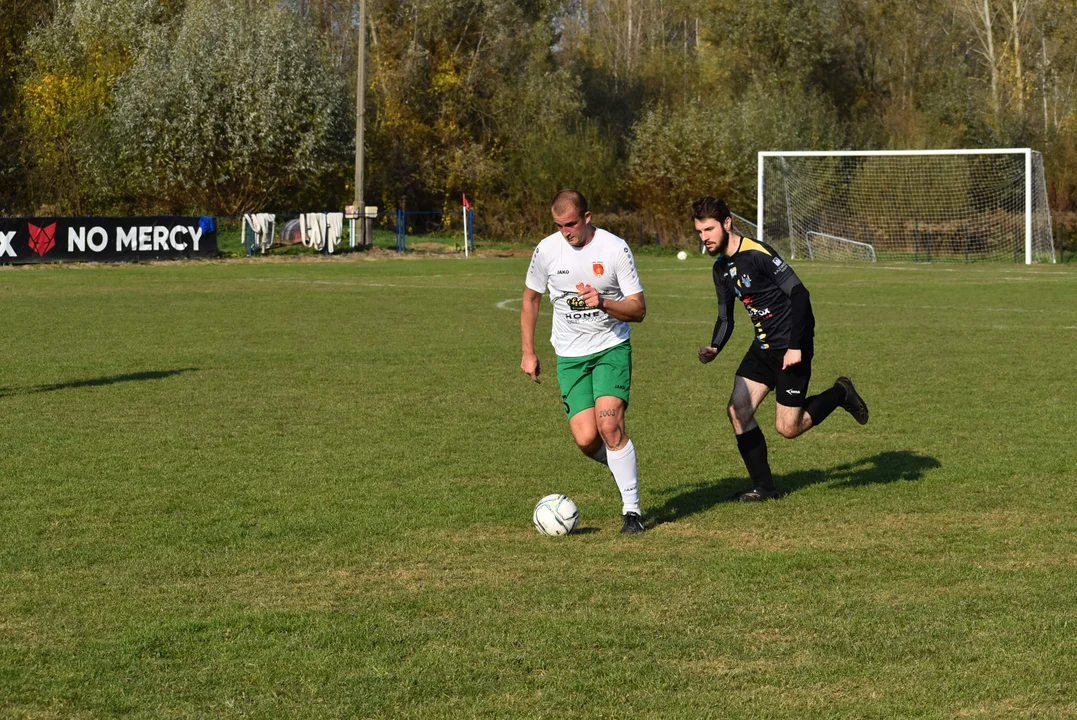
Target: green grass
[[303, 489]]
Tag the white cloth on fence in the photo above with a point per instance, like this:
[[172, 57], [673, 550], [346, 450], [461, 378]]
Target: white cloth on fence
[[335, 222], [317, 229], [263, 225], [313, 229]]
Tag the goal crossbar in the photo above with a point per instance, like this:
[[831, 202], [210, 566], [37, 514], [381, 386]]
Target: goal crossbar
[[1026, 152]]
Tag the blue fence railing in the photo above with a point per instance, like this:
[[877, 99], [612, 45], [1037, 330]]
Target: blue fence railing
[[397, 219], [400, 220]]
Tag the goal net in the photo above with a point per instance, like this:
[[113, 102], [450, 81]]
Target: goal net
[[744, 227], [924, 206]]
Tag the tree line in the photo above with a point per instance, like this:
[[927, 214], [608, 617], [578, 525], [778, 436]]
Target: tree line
[[230, 106]]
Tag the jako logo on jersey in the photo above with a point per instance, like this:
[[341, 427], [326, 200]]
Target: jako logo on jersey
[[562, 272], [41, 239], [793, 392], [598, 269]]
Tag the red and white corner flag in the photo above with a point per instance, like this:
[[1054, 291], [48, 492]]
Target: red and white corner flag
[[467, 205]]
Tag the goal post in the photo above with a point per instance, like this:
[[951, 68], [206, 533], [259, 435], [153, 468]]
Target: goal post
[[832, 246], [964, 205]]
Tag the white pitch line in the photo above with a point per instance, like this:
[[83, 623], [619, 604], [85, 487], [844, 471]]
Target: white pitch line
[[504, 305], [361, 284]]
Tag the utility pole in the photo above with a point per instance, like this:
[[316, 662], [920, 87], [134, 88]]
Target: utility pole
[[360, 108]]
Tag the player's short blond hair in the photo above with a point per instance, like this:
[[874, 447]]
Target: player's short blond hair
[[567, 199]]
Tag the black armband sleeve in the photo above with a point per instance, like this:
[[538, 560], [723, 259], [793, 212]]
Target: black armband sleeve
[[723, 326], [723, 329]]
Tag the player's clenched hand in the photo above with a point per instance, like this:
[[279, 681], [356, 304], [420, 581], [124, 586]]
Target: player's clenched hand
[[706, 354], [530, 366], [588, 294], [792, 357]]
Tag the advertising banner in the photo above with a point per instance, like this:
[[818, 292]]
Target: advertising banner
[[105, 239]]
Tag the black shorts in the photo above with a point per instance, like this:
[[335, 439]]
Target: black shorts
[[765, 366]]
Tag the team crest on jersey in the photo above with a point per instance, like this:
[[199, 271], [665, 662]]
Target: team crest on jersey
[[598, 269], [732, 271]]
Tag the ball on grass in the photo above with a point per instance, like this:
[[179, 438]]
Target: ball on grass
[[682, 255], [555, 515]]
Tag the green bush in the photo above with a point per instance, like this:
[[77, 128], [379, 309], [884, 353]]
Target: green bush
[[232, 110]]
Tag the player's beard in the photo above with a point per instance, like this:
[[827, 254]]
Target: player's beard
[[720, 248], [724, 243]]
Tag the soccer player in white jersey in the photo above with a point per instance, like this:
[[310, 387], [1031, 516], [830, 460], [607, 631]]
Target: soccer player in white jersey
[[595, 291]]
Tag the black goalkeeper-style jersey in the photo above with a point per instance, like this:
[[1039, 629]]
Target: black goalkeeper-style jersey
[[776, 301]]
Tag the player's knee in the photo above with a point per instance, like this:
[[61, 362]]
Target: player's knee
[[589, 447], [739, 417], [587, 440], [612, 433], [786, 429]]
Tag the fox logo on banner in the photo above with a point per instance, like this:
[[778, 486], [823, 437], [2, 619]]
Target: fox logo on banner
[[35, 240], [42, 239]]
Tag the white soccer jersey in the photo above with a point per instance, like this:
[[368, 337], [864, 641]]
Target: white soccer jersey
[[606, 264]]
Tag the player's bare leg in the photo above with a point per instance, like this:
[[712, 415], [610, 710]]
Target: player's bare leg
[[584, 427], [791, 421], [743, 402], [621, 456], [794, 421], [610, 418]]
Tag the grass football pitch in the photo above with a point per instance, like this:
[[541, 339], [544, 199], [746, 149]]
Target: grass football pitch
[[304, 489]]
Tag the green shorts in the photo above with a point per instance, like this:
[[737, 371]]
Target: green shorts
[[585, 379]]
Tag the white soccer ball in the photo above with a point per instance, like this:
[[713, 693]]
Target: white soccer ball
[[556, 515], [682, 255]]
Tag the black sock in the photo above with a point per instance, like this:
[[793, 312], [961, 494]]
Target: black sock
[[821, 405], [753, 450]]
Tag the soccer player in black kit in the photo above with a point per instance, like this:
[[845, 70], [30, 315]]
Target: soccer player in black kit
[[780, 356]]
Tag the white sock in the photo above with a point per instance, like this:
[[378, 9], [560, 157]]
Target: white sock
[[599, 455], [623, 466]]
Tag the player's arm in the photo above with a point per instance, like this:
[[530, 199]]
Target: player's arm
[[534, 286], [723, 326], [529, 311], [799, 308], [632, 309]]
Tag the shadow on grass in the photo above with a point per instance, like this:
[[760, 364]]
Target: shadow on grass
[[98, 381], [883, 468]]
